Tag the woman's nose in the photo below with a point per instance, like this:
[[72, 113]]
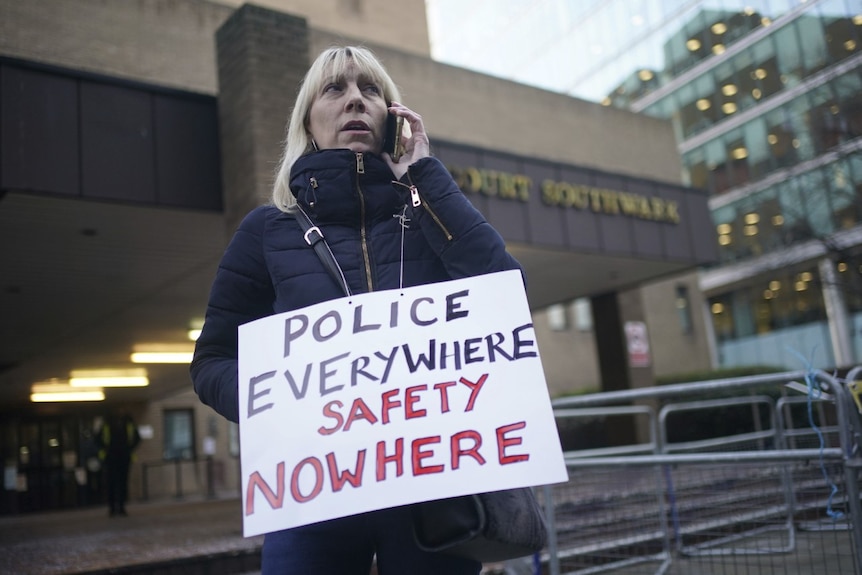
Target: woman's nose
[[354, 98]]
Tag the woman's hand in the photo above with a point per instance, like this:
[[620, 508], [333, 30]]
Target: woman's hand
[[415, 145]]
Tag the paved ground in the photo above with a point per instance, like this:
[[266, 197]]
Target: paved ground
[[87, 541]]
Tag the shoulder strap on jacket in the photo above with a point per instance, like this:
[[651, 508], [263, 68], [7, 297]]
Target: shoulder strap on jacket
[[314, 237]]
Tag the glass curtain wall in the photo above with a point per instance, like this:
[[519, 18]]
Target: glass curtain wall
[[764, 99]]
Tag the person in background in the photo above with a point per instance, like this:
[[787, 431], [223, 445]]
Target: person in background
[[117, 439], [390, 223]]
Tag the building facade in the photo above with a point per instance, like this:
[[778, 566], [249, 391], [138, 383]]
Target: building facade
[[764, 100], [135, 135]]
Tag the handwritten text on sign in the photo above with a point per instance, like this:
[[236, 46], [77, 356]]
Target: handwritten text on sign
[[390, 398]]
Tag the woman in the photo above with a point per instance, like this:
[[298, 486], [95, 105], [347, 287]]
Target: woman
[[389, 224]]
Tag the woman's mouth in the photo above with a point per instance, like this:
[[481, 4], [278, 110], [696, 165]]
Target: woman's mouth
[[355, 125]]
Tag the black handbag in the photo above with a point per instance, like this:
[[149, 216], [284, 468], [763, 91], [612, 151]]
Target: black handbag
[[487, 527]]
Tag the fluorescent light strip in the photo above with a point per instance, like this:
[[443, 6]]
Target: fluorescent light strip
[[161, 357], [140, 381], [45, 397], [135, 377]]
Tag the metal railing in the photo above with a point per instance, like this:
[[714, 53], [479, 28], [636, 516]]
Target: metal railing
[[202, 482], [775, 491]]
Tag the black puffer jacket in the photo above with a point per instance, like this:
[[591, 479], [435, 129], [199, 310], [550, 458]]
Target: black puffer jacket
[[268, 268]]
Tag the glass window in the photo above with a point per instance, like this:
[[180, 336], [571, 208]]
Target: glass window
[[683, 309], [583, 313], [757, 147], [789, 59], [841, 34], [233, 438], [844, 199], [557, 319], [780, 135], [849, 108], [179, 434]]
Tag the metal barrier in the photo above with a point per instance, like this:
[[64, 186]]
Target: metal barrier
[[775, 491], [201, 484]]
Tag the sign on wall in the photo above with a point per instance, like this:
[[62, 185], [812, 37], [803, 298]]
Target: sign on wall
[[390, 398]]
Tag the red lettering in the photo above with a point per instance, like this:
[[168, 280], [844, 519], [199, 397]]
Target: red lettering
[[275, 500], [328, 412], [419, 455], [458, 452], [359, 411], [339, 478], [397, 458], [475, 388], [318, 482], [388, 404], [410, 398], [444, 395], [504, 442]]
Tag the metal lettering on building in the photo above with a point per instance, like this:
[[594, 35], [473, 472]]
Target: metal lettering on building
[[519, 187]]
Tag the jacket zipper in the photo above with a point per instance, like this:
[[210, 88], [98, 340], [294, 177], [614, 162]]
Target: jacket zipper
[[363, 233], [416, 200]]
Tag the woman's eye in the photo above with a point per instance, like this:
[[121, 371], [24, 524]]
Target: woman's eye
[[331, 88], [372, 88]]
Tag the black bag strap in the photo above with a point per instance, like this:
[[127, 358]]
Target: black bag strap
[[314, 237]]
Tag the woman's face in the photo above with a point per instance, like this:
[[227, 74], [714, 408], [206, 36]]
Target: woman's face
[[349, 112]]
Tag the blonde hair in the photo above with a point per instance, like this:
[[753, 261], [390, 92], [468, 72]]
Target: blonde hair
[[331, 63]]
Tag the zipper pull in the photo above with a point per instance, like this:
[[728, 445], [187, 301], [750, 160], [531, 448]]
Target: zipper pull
[[414, 197], [360, 163], [313, 182]]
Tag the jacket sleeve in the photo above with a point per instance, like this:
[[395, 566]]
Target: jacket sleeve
[[241, 292], [465, 242]]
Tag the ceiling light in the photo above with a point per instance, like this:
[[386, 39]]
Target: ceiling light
[[723, 229], [857, 19], [703, 104], [645, 75], [778, 220], [772, 139], [729, 89], [748, 10], [719, 28], [606, 101], [750, 230], [739, 153], [717, 308], [718, 49], [765, 21], [725, 240], [850, 45], [752, 218], [134, 377], [768, 294], [728, 108], [775, 285], [801, 286], [842, 267], [163, 353], [54, 391], [693, 45], [806, 276], [756, 93], [759, 74]]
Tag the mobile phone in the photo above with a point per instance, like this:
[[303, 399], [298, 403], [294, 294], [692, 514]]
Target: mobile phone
[[392, 140]]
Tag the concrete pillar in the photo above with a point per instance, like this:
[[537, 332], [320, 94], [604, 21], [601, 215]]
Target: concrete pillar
[[617, 369], [262, 56], [836, 314]]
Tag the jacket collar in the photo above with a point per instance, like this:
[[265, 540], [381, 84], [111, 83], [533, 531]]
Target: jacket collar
[[328, 184]]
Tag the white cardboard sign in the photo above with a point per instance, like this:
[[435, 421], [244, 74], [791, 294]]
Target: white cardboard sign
[[390, 398]]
